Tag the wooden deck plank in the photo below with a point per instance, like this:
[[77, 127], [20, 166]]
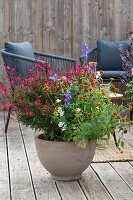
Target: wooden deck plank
[[131, 163], [2, 124], [131, 130], [129, 138], [70, 190], [45, 188], [125, 170], [92, 186], [4, 177], [21, 186], [113, 182]]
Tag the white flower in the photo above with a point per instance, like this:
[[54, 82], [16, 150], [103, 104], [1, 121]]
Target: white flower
[[60, 111], [61, 124], [78, 110], [58, 100], [97, 75], [64, 128]]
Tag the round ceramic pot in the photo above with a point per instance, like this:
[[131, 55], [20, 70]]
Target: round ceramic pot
[[64, 160]]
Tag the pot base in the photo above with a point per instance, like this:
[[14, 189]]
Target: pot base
[[66, 178]]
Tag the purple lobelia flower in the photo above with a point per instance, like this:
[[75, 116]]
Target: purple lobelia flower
[[68, 97], [55, 76], [85, 51]]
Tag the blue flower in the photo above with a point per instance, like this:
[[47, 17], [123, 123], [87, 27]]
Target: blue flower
[[55, 76], [68, 97], [85, 51]]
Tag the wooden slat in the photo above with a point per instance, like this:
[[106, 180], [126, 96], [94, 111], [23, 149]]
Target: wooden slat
[[125, 170], [71, 190], [129, 137], [2, 125], [21, 186], [4, 176], [45, 188], [112, 181], [92, 186], [131, 162], [131, 130]]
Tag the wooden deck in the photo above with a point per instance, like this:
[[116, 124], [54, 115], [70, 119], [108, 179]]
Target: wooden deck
[[23, 177]]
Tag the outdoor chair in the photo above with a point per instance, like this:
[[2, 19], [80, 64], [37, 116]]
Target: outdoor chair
[[107, 56], [22, 56]]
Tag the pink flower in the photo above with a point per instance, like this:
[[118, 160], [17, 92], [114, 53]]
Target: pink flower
[[5, 105], [26, 108], [13, 70], [18, 78], [30, 70], [31, 113], [7, 68], [7, 117], [2, 107], [132, 71], [12, 82], [6, 79], [11, 105], [20, 101], [50, 73], [4, 92]]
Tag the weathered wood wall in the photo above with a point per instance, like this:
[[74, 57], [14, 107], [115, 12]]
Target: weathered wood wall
[[62, 26]]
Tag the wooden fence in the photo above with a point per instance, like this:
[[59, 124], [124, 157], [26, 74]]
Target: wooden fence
[[62, 26]]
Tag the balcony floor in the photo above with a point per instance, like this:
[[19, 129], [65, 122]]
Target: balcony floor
[[22, 177]]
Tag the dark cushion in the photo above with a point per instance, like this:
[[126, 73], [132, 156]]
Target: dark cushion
[[109, 55], [113, 74], [22, 49]]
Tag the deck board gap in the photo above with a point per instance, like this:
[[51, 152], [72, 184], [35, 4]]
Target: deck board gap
[[130, 163], [120, 176], [58, 191], [82, 189], [102, 182], [27, 161], [8, 164]]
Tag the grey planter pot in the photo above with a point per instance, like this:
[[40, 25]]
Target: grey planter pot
[[64, 160]]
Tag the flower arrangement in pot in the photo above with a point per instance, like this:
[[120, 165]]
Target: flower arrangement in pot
[[70, 110]]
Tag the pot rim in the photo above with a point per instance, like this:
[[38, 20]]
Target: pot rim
[[37, 137]]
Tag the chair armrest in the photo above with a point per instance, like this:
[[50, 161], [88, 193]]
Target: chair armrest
[[12, 56], [92, 56], [56, 61]]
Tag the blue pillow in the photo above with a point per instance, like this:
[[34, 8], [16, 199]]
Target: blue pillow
[[22, 49], [109, 55]]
